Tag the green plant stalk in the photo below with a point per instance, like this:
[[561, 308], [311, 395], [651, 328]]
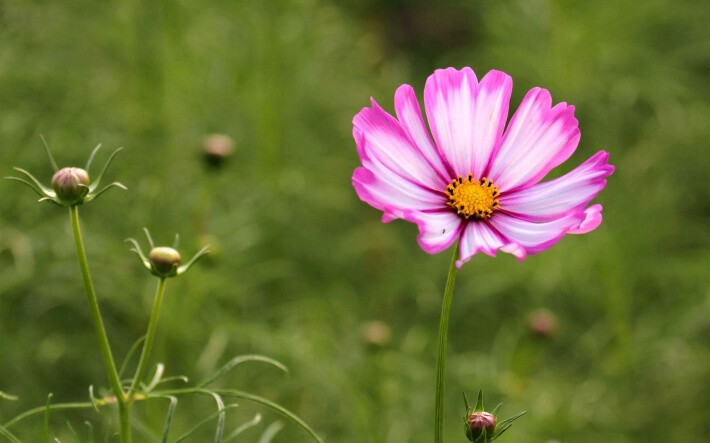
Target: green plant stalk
[[124, 417], [104, 345], [149, 338], [441, 355]]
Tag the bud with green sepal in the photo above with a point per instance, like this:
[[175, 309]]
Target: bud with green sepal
[[482, 426], [164, 261], [71, 185]]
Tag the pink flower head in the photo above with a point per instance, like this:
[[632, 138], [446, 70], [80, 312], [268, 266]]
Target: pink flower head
[[477, 180]]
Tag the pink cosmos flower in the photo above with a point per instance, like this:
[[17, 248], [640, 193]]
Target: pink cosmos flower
[[478, 180]]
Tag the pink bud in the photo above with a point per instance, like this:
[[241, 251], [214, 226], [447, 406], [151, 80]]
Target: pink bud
[[71, 184], [478, 421]]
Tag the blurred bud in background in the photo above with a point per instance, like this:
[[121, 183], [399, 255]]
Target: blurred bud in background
[[376, 333], [217, 148], [542, 323]]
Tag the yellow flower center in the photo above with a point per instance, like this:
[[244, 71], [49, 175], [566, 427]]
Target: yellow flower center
[[471, 197]]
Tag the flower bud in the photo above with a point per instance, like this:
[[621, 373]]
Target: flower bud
[[71, 184], [542, 323], [217, 148], [164, 259], [478, 421], [376, 333]]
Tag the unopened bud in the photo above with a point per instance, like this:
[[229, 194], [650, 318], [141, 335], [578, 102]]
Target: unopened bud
[[71, 184], [542, 323], [217, 148], [376, 333], [164, 259], [478, 421]]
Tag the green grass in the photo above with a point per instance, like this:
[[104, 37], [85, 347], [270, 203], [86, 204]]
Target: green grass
[[301, 265]]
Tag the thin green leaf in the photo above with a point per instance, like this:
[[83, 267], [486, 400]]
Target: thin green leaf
[[248, 425], [159, 369], [95, 183], [6, 396], [201, 253], [202, 422], [144, 430], [465, 402], [46, 418], [495, 410], [148, 236], [90, 438], [92, 398], [506, 424], [49, 153], [169, 417], [139, 252], [73, 432], [109, 186], [91, 157], [137, 343], [9, 435], [276, 407], [41, 409], [220, 419], [182, 378], [479, 402], [45, 190], [238, 360], [32, 186], [271, 432], [49, 199], [512, 419]]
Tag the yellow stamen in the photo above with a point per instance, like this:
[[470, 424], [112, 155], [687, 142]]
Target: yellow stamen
[[470, 197]]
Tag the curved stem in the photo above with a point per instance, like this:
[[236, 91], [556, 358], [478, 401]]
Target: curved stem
[[441, 355], [104, 345], [149, 337]]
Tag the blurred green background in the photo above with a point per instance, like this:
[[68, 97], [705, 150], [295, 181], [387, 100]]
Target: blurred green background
[[302, 268]]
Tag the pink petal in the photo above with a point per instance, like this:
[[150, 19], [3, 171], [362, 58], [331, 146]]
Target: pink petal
[[381, 137], [592, 220], [467, 118], [536, 237], [478, 237], [437, 230], [388, 192], [537, 139], [562, 196], [409, 114]]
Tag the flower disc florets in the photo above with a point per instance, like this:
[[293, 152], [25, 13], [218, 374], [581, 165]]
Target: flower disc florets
[[71, 184], [473, 198]]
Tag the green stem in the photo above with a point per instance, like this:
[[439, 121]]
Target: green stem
[[104, 345], [149, 337], [441, 356], [124, 417]]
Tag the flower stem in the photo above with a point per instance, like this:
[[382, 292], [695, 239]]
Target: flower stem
[[124, 417], [149, 337], [441, 356], [104, 345]]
